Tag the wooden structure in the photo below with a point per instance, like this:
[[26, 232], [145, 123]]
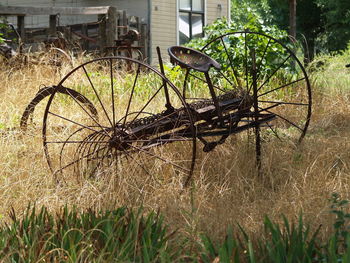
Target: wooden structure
[[110, 25]]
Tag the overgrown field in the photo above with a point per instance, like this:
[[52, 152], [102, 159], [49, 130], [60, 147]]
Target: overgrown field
[[226, 190]]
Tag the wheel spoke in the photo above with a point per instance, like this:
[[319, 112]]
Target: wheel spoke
[[112, 90], [281, 87], [66, 119], [204, 81], [274, 131], [139, 164], [260, 63], [283, 118], [223, 75], [284, 103], [131, 94], [76, 142], [97, 96], [148, 102], [274, 72], [81, 106], [231, 62]]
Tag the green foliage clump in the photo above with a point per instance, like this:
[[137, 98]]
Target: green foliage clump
[[289, 243], [122, 235], [248, 21], [255, 16], [233, 50], [285, 243], [2, 25], [119, 236]]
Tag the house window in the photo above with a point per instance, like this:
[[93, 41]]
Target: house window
[[191, 19]]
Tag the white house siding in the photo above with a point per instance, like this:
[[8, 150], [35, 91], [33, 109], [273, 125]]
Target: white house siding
[[164, 22], [213, 11], [163, 27]]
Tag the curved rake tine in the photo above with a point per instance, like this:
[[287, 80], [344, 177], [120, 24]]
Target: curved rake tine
[[96, 148], [82, 149], [64, 145], [160, 158], [78, 160]]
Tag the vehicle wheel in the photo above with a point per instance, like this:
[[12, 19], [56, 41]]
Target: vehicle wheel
[[251, 59], [135, 134]]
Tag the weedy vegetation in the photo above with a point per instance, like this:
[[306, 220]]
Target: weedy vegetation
[[193, 224]]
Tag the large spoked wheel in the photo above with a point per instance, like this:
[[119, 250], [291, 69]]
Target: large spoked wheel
[[266, 70], [134, 135]]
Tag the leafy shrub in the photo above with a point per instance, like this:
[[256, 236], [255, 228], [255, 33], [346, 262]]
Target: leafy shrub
[[234, 51]]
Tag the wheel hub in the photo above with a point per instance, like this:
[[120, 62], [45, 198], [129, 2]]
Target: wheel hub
[[119, 140]]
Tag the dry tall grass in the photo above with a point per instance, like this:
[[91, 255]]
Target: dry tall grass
[[227, 191]]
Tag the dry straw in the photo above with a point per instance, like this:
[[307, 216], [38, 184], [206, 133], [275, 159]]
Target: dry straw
[[225, 188]]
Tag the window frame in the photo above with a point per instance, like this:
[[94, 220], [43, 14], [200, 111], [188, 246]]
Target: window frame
[[190, 13]]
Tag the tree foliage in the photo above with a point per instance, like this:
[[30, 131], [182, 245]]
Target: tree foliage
[[335, 18], [322, 25]]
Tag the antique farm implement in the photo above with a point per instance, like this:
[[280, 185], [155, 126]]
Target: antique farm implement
[[120, 113]]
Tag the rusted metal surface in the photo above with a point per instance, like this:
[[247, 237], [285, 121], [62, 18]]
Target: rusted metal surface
[[124, 45], [115, 130]]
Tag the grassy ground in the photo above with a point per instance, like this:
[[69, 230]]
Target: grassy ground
[[225, 192]]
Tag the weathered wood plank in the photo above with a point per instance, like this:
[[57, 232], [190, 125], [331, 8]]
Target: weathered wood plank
[[102, 32], [21, 28], [53, 25], [111, 26], [21, 10]]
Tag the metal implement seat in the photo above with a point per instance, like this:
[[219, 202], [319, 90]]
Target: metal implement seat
[[192, 59]]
